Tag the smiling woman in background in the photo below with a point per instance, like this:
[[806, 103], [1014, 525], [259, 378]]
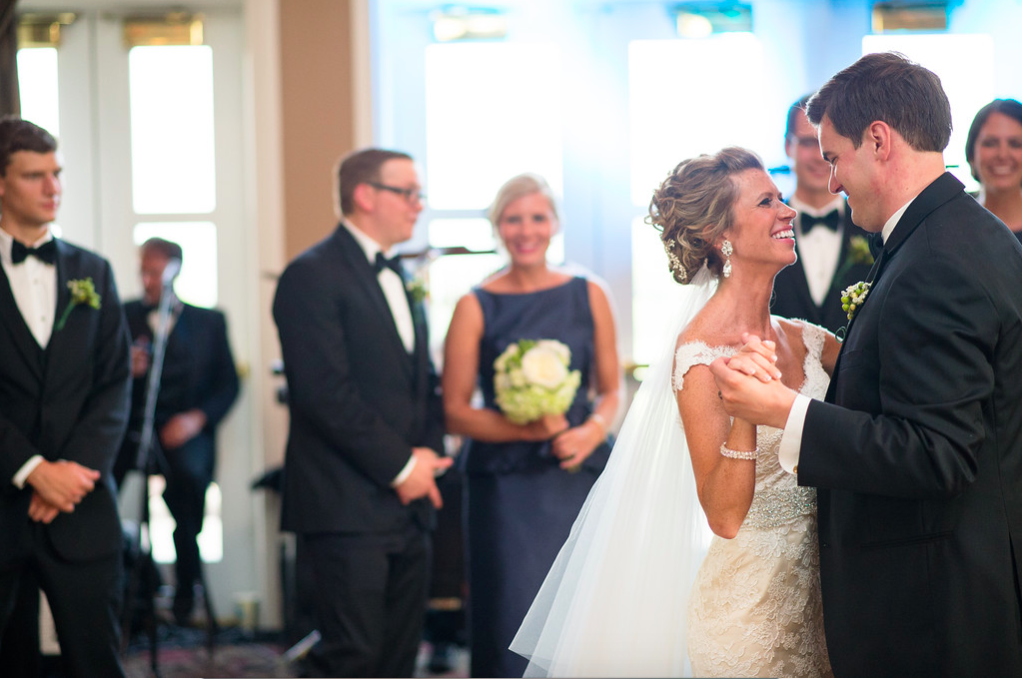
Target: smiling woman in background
[[525, 482], [994, 154]]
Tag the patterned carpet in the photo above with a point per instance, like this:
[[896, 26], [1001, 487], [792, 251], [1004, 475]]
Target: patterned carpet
[[183, 653]]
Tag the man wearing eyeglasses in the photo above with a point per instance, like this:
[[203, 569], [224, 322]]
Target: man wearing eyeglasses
[[827, 240], [366, 424]]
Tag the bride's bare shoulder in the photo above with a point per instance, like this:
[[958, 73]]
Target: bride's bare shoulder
[[704, 331]]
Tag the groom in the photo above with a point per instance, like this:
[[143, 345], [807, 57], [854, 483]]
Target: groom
[[916, 451]]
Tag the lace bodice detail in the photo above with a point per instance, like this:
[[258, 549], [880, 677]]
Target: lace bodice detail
[[777, 497], [755, 609]]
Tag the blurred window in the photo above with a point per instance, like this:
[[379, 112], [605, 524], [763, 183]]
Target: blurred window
[[171, 94], [476, 89], [37, 82]]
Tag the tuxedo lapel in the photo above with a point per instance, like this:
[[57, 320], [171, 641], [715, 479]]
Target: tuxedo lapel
[[60, 347], [367, 277], [938, 193], [18, 330]]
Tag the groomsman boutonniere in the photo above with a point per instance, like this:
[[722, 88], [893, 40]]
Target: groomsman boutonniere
[[82, 292], [417, 289], [860, 251], [853, 298]]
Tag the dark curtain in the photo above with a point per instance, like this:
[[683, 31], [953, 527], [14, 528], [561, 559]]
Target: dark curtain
[[10, 98]]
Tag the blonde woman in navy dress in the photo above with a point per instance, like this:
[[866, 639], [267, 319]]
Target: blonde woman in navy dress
[[525, 483]]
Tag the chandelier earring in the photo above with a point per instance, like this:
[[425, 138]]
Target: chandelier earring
[[727, 251], [673, 261]]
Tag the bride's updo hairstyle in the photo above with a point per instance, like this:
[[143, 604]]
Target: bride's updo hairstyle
[[693, 207], [514, 189]]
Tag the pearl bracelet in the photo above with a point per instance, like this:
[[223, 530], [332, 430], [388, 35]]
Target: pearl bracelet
[[740, 454], [598, 418]]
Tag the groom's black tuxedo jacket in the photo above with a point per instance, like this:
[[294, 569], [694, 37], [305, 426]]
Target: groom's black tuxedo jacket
[[68, 401], [918, 463], [792, 297], [358, 401]]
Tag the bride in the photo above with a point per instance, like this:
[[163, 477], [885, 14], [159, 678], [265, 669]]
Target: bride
[[637, 590]]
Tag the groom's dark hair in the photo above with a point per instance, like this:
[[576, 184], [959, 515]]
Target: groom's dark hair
[[888, 87]]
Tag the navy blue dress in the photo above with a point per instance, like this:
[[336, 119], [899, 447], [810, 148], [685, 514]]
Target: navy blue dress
[[520, 504]]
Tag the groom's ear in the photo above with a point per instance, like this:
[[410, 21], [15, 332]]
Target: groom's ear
[[879, 135]]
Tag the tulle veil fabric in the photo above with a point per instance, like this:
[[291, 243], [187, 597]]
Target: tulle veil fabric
[[616, 599]]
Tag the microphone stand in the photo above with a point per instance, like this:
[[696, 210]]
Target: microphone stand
[[149, 461]]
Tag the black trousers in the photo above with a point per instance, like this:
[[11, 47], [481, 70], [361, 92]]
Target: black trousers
[[372, 592], [84, 597], [189, 474]]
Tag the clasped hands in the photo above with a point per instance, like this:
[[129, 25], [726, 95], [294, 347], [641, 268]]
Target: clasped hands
[[58, 487], [750, 385], [571, 445]]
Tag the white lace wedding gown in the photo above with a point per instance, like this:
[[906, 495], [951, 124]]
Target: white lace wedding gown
[[755, 607]]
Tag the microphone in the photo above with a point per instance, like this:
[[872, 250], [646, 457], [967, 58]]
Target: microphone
[[170, 272]]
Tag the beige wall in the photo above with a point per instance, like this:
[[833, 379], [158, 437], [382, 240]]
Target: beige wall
[[317, 115]]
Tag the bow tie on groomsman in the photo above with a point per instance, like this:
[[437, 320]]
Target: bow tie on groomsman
[[393, 263], [47, 252], [829, 221]]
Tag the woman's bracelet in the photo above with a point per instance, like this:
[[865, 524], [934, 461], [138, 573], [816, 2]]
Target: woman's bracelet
[[599, 420], [740, 454]]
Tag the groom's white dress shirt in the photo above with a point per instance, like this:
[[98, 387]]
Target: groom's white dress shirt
[[789, 446], [34, 287], [394, 291]]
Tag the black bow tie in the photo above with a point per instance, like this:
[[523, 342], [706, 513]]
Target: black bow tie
[[47, 252], [829, 221], [876, 244], [393, 263]]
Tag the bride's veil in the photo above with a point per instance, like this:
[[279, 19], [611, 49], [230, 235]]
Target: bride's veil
[[615, 601]]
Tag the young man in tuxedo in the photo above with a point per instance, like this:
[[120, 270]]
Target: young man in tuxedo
[[64, 388], [366, 424], [916, 451], [826, 263], [198, 385]]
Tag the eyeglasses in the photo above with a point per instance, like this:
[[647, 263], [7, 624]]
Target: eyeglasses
[[410, 195], [805, 142]]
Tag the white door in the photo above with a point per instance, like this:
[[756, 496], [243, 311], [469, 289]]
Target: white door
[[153, 145]]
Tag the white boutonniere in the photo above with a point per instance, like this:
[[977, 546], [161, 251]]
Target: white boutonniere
[[82, 292]]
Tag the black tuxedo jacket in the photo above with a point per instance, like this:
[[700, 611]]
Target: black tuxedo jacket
[[358, 401], [198, 372], [918, 463], [793, 298], [70, 402]]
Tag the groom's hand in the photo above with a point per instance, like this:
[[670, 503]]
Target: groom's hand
[[750, 398]]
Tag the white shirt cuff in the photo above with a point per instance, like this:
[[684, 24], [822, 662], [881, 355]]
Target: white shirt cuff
[[404, 474], [26, 469], [789, 446]]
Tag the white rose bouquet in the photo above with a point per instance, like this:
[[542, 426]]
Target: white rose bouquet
[[532, 379]]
